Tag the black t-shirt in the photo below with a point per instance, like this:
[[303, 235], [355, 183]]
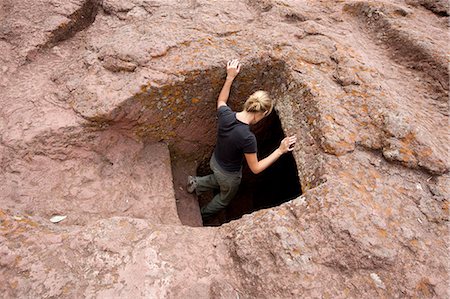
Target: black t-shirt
[[234, 138]]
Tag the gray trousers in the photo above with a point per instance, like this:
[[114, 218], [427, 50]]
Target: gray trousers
[[225, 181]]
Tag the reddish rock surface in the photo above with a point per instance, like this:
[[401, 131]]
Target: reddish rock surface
[[106, 106]]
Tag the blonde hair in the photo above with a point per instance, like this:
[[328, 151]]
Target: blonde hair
[[259, 101]]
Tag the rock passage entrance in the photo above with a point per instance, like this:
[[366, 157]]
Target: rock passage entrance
[[192, 135], [182, 114], [107, 106], [277, 184]]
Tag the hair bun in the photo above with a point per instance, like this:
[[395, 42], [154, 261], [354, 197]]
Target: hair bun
[[259, 101]]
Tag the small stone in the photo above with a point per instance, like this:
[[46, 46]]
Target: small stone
[[378, 282], [57, 218]]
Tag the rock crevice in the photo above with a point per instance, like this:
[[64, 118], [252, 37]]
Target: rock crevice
[[104, 125]]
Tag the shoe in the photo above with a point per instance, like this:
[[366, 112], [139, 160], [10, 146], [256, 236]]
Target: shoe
[[192, 184]]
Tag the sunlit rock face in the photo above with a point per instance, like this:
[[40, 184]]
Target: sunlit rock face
[[106, 107]]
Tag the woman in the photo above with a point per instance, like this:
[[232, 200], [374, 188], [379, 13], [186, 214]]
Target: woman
[[235, 141]]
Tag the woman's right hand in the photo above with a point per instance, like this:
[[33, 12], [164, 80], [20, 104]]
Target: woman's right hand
[[233, 68], [287, 144]]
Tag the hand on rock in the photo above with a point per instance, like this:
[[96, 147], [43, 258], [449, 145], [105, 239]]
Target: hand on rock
[[287, 144], [233, 68]]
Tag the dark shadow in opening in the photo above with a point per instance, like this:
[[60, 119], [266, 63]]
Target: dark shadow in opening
[[277, 184]]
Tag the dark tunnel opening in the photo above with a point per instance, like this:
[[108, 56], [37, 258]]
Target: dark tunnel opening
[[277, 184]]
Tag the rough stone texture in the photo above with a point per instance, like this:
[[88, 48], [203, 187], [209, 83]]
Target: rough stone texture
[[126, 180], [113, 258], [93, 92]]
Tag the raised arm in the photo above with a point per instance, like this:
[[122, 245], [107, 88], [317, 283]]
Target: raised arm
[[286, 145], [233, 67]]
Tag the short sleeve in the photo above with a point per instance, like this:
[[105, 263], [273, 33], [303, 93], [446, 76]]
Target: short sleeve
[[250, 145], [224, 110]]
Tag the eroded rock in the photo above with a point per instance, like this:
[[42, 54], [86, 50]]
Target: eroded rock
[[93, 92]]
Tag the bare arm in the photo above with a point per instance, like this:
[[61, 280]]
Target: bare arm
[[233, 67], [286, 145]]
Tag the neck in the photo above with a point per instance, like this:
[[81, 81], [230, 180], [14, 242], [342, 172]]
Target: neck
[[245, 117]]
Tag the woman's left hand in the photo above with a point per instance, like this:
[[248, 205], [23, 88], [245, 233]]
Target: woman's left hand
[[233, 68]]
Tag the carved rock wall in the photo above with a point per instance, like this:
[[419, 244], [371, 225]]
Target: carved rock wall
[[104, 103]]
